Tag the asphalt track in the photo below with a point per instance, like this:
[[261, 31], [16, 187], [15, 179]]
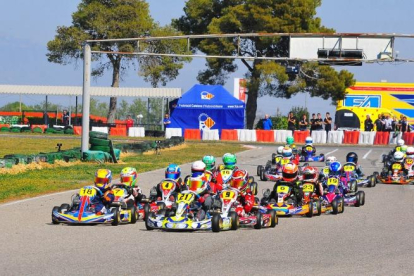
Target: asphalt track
[[376, 239]]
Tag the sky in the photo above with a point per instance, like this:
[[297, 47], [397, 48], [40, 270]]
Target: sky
[[27, 26]]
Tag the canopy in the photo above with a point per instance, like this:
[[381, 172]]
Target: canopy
[[208, 107]]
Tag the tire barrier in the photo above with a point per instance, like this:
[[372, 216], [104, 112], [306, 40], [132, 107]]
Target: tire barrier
[[170, 132], [229, 135], [281, 135], [100, 129], [37, 130], [136, 132], [43, 127], [300, 136], [211, 135], [381, 138], [247, 135], [4, 129], [265, 136], [408, 138], [335, 137], [118, 131], [351, 137], [192, 134], [394, 138], [366, 137], [319, 136]]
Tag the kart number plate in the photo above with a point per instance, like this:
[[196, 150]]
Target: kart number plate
[[283, 189], [186, 198], [398, 149], [333, 181], [349, 168], [226, 173], [227, 195], [118, 192], [278, 159], [308, 188], [396, 166], [309, 149], [166, 185], [285, 161], [87, 192], [326, 170], [409, 161]]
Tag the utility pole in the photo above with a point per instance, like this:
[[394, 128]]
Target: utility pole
[[86, 97]]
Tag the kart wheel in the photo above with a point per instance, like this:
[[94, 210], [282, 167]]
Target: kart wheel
[[57, 209], [259, 221], [310, 213], [147, 209], [335, 204], [251, 179], [216, 223], [259, 170], [253, 188], [376, 174], [134, 214], [360, 197], [234, 220], [353, 187], [64, 207], [318, 207], [341, 205], [262, 176], [274, 220], [116, 217], [147, 216]]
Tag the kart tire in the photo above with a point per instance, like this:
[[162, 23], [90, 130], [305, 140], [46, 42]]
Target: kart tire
[[253, 188], [147, 209], [274, 220], [262, 176], [318, 207], [259, 221], [335, 204], [234, 220], [251, 179], [353, 187], [63, 207], [57, 209], [273, 158], [134, 214], [360, 199], [376, 174], [259, 170], [310, 213], [116, 217], [216, 223], [342, 205], [149, 228], [99, 142]]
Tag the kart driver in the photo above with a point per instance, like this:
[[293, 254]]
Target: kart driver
[[308, 143], [311, 175], [229, 162], [172, 172], [199, 184], [290, 142], [129, 178], [352, 158], [325, 170], [240, 182], [105, 196]]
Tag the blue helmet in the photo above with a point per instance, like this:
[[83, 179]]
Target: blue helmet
[[173, 172], [335, 167], [352, 157]]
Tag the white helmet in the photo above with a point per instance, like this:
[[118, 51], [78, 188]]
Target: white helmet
[[198, 168], [410, 151], [287, 152], [280, 150], [400, 142], [308, 140], [398, 156], [329, 160]]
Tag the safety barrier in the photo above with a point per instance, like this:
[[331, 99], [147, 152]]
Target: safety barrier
[[100, 129], [77, 130], [366, 137], [408, 138], [229, 135], [281, 135], [335, 137], [170, 132], [192, 134], [247, 135], [211, 135], [118, 131], [4, 125], [136, 132], [381, 138], [43, 127], [351, 137], [300, 136], [265, 136], [319, 136], [394, 137]]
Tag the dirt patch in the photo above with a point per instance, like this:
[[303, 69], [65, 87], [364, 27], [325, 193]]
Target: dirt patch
[[16, 169], [180, 147]]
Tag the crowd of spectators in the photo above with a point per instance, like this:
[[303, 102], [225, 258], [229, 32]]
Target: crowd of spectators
[[387, 124]]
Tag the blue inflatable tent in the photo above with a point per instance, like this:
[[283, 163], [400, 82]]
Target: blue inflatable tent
[[208, 107]]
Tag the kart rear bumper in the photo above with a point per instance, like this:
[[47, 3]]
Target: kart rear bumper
[[181, 224]]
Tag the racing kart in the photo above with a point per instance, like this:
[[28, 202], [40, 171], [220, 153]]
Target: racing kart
[[349, 172], [308, 156], [272, 171], [225, 218], [167, 187], [396, 175], [333, 200], [310, 195], [81, 211]]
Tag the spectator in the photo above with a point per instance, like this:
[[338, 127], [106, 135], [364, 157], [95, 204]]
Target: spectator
[[328, 123], [303, 123], [368, 125], [129, 123], [65, 118], [267, 123], [319, 122], [46, 118], [312, 122], [291, 122], [388, 124], [395, 124], [167, 121], [405, 126], [378, 123]]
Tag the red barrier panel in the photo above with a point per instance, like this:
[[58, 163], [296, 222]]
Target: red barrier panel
[[229, 135], [265, 136], [192, 134], [382, 138], [300, 136], [77, 130], [118, 131], [408, 138], [4, 125], [351, 137], [43, 127]]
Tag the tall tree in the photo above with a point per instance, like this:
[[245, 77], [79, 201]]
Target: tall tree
[[264, 77], [104, 19]]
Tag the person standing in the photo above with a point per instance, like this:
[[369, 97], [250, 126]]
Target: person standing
[[319, 122], [313, 123], [368, 125], [129, 123], [328, 123], [167, 121], [267, 123], [388, 124], [65, 118], [291, 122], [378, 123], [405, 126], [46, 118], [303, 123]]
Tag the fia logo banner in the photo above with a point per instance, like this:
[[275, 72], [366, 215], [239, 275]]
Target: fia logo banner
[[206, 95], [205, 121], [362, 101]]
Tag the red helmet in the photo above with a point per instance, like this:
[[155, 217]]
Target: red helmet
[[239, 180], [310, 174], [290, 172]]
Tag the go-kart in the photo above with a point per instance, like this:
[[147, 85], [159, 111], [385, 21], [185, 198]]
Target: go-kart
[[396, 175], [310, 195], [186, 216], [225, 218], [308, 156], [272, 171], [349, 172], [350, 193], [285, 204], [333, 200], [81, 211], [167, 187]]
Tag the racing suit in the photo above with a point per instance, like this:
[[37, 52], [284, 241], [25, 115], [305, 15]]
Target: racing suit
[[204, 200], [358, 170], [304, 151], [102, 200], [246, 200]]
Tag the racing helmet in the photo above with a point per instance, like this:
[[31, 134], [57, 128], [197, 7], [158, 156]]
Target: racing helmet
[[398, 156], [309, 141], [287, 152], [310, 174], [290, 172], [404, 148], [329, 160], [198, 168], [290, 140], [280, 150], [352, 157], [400, 142], [173, 172], [335, 168], [197, 184], [129, 176], [410, 151], [210, 162], [239, 180], [229, 161], [103, 179]]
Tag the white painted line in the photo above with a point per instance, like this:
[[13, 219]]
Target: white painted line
[[326, 154], [366, 154]]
